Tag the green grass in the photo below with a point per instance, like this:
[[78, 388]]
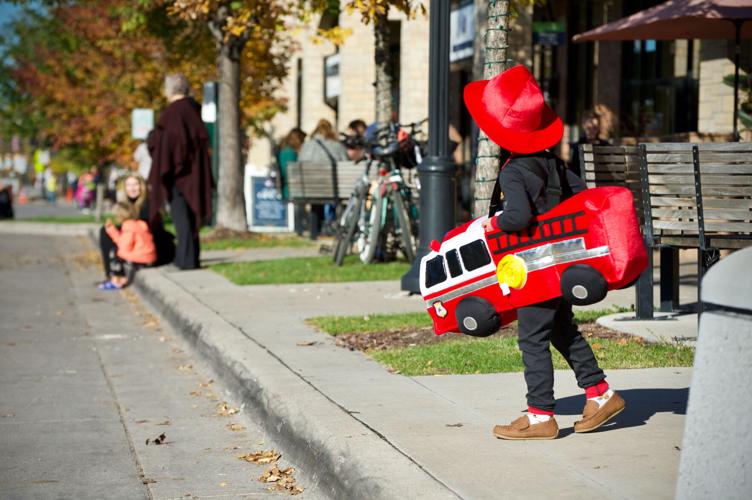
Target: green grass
[[257, 242], [336, 325], [492, 355], [308, 270], [64, 219]]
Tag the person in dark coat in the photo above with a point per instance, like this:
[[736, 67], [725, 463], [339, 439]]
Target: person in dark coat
[[591, 130], [181, 169], [510, 109]]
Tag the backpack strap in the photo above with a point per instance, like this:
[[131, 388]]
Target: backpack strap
[[495, 202]]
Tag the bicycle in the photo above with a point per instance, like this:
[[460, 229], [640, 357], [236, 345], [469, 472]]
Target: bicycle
[[389, 222]]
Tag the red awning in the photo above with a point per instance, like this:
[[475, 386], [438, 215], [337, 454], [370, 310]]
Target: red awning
[[678, 19]]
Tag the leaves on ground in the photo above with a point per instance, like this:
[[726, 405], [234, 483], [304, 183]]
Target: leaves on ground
[[161, 439], [236, 427], [282, 478], [224, 410], [306, 344], [261, 457], [185, 368]]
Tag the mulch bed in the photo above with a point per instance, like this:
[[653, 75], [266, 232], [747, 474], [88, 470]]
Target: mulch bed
[[380, 341]]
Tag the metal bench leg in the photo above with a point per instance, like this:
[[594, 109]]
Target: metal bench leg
[[669, 284], [644, 291], [705, 259]]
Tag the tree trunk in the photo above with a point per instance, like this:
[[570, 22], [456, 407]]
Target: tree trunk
[[487, 160], [383, 74], [230, 205]]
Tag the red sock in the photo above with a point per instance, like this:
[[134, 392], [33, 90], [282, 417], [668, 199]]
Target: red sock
[[596, 390], [538, 411]]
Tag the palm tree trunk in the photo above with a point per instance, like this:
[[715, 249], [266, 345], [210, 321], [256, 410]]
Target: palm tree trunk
[[383, 75], [487, 161], [230, 206]]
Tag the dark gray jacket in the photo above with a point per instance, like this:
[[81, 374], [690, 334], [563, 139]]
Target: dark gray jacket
[[529, 190]]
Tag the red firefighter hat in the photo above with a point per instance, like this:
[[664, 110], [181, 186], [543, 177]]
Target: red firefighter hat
[[509, 108]]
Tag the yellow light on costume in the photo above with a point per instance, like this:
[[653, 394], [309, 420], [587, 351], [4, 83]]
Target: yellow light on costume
[[512, 271]]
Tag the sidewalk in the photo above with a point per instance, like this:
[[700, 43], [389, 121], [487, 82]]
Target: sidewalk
[[373, 434]]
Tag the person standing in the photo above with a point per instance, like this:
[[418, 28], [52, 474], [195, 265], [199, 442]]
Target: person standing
[[511, 110], [181, 169], [321, 147]]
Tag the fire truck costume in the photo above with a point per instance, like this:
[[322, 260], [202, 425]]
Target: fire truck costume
[[510, 109]]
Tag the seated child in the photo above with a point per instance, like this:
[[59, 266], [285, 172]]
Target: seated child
[[134, 246]]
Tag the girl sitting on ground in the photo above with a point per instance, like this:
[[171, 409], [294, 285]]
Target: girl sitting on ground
[[134, 246]]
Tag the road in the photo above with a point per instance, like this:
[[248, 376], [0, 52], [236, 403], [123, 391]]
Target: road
[[89, 379]]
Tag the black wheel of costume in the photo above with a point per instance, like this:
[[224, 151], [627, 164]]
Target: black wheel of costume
[[372, 238], [476, 317], [403, 221], [582, 285], [346, 229]]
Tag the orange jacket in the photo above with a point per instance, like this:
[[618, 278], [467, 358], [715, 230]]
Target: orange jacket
[[134, 242]]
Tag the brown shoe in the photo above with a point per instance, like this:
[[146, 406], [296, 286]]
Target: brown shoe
[[594, 417], [521, 429]]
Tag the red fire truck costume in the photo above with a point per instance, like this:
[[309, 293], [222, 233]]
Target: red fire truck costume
[[546, 255]]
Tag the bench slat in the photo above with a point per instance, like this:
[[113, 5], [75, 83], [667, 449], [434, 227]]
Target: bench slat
[[741, 203], [731, 243], [724, 168], [689, 226], [726, 157], [732, 227], [671, 179], [730, 214], [673, 213], [672, 201]]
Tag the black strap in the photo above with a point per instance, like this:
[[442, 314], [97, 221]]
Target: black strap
[[333, 161]]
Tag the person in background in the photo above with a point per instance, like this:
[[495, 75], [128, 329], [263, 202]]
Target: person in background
[[287, 154], [354, 140], [181, 169], [291, 145], [321, 147], [591, 134], [86, 189], [50, 185], [134, 246]]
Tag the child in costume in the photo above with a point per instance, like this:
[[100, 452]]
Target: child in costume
[[510, 109], [134, 246]]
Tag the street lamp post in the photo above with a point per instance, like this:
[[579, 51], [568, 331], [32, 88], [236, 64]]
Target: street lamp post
[[436, 173]]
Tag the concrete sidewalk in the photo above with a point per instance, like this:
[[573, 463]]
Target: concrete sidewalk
[[374, 434]]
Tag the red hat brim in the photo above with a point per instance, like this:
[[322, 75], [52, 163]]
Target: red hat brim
[[548, 135]]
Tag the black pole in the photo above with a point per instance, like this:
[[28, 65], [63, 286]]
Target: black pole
[[737, 53], [436, 173]]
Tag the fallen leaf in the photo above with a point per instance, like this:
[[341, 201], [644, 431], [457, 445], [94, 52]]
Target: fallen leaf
[[622, 342], [236, 427], [597, 346], [307, 344], [429, 362], [222, 484], [195, 393], [224, 410], [161, 439], [455, 425], [185, 368], [166, 422], [141, 421], [207, 383], [147, 480], [164, 339], [261, 457]]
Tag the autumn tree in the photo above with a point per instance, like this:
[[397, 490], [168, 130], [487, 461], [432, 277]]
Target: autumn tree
[[235, 26], [495, 60], [73, 76]]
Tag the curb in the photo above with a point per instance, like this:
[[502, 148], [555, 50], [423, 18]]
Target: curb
[[654, 330], [344, 458]]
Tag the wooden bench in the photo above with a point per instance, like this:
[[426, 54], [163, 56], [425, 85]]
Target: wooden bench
[[695, 196], [620, 166], [320, 183]]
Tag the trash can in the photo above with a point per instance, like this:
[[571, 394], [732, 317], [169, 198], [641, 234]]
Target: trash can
[[716, 457]]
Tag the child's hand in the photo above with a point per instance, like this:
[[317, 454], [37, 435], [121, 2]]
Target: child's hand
[[488, 225], [108, 224]]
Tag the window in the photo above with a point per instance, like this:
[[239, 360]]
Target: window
[[435, 272], [475, 255], [453, 261]]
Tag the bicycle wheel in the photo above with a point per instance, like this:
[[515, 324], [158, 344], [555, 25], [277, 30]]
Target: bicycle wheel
[[346, 230], [404, 226], [371, 238]]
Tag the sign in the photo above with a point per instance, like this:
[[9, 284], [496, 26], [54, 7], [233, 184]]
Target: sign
[[332, 81], [142, 121], [266, 211], [462, 32], [209, 106], [549, 33]]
